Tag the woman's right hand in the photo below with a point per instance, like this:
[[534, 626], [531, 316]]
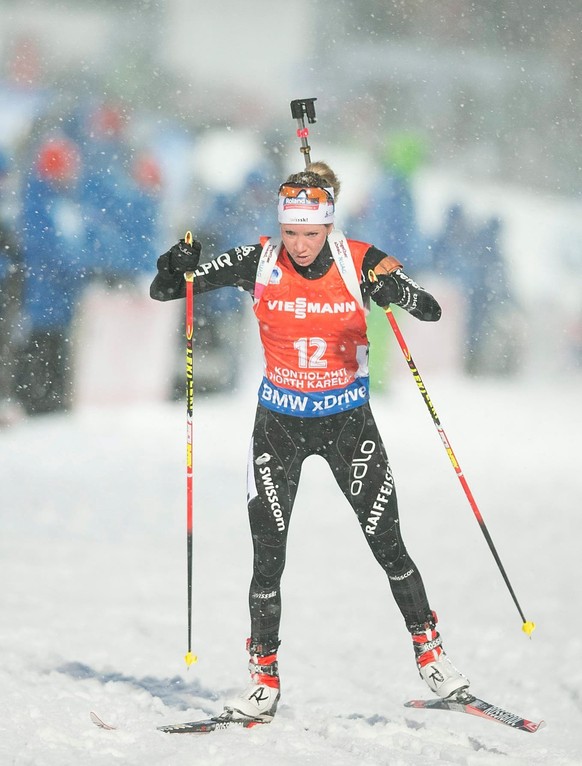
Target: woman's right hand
[[184, 256]]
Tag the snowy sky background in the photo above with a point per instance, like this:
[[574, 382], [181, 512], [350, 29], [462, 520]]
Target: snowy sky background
[[92, 530]]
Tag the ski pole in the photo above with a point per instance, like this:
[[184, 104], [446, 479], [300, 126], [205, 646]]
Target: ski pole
[[527, 626], [189, 277], [300, 108]]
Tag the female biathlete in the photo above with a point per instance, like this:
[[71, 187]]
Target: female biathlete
[[311, 289]]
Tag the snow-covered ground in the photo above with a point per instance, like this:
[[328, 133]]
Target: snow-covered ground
[[93, 551]]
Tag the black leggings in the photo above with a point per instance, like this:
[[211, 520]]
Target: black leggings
[[352, 446]]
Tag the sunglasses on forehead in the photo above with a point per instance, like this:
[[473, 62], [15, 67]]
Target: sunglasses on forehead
[[313, 193]]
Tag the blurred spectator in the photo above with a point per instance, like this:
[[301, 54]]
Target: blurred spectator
[[388, 217], [451, 248], [121, 197], [54, 257], [243, 214], [104, 180], [139, 217], [10, 293], [494, 323], [471, 259]]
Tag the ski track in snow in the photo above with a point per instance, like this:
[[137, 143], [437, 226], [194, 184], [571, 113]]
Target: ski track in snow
[[93, 552]]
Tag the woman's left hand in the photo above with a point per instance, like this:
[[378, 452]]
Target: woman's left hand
[[399, 289]]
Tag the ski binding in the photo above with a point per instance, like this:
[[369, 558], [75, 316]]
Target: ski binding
[[215, 722]]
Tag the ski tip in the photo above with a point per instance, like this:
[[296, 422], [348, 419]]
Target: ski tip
[[533, 727], [528, 628], [100, 722], [190, 659]]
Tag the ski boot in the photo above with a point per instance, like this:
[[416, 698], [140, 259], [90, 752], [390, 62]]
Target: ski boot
[[434, 667], [258, 702]]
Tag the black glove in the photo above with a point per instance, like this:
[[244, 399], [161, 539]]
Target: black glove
[[401, 290], [183, 257]]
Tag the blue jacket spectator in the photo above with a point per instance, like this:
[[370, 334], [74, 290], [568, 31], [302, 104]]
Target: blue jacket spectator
[[138, 219], [55, 267]]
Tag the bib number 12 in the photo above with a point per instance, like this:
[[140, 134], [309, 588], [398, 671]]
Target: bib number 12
[[315, 359]]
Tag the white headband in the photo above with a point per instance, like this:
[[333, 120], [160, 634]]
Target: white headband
[[305, 208]]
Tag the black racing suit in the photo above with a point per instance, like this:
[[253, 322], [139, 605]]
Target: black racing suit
[[349, 441]]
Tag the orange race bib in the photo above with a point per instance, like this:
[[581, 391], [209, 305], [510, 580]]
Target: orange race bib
[[313, 333]]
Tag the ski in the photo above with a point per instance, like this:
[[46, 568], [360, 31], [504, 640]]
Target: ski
[[203, 726], [467, 703], [223, 721]]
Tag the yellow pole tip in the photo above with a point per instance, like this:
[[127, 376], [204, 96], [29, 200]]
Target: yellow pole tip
[[188, 237], [190, 658], [528, 628]]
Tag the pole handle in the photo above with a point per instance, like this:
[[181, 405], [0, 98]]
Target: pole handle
[[188, 275]]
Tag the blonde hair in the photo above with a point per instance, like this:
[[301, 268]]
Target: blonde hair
[[317, 174], [323, 169]]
